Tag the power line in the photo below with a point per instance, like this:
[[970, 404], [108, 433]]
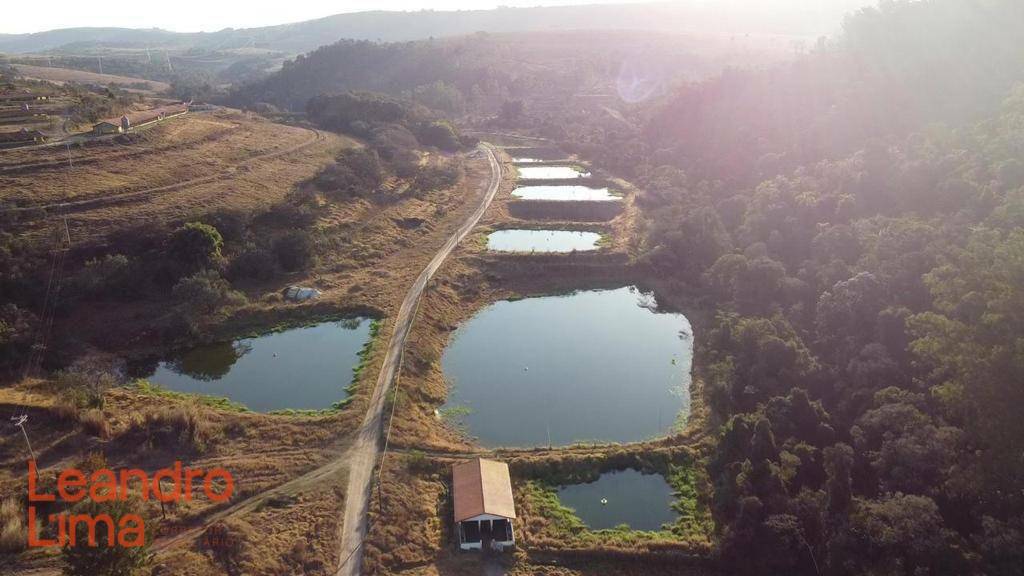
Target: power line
[[19, 421]]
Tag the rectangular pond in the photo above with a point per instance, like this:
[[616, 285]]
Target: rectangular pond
[[572, 193], [302, 369], [640, 501], [542, 241], [551, 172], [526, 160], [596, 365]]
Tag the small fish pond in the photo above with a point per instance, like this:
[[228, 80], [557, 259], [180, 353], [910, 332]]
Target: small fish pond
[[566, 193], [542, 241], [595, 365], [526, 160], [551, 172], [302, 369], [640, 501]]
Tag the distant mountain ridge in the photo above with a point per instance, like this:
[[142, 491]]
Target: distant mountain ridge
[[806, 18]]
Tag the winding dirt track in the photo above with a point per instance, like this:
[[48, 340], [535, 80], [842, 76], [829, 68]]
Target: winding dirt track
[[362, 456]]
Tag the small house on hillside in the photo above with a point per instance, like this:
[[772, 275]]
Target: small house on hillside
[[106, 127], [484, 508], [133, 120], [23, 137]]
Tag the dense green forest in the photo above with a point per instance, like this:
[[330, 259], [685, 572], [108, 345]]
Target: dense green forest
[[858, 216], [477, 73]]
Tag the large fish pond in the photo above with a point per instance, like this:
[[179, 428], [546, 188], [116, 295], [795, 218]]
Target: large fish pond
[[302, 369], [594, 365]]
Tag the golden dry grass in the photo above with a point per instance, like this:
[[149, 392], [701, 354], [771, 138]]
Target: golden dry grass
[[183, 167], [61, 75]]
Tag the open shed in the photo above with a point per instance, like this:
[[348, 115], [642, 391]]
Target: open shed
[[484, 508]]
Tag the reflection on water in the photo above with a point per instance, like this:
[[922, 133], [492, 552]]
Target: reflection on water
[[593, 365], [211, 362], [641, 501], [303, 369], [542, 241], [550, 172], [565, 193]]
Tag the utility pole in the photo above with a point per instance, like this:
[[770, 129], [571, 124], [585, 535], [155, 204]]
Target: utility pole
[[100, 58], [68, 146], [19, 421]]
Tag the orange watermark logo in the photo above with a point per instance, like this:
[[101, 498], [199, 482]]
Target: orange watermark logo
[[105, 485]]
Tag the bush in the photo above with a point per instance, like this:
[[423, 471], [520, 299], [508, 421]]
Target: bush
[[440, 135], [255, 263], [196, 245], [294, 251], [85, 560], [230, 543], [13, 532], [232, 224], [109, 276], [15, 334], [83, 387], [94, 423], [173, 429], [437, 177], [206, 292]]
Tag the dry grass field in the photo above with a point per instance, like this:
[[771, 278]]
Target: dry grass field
[[62, 75], [183, 166]]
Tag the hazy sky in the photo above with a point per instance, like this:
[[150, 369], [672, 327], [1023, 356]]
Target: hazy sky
[[21, 16]]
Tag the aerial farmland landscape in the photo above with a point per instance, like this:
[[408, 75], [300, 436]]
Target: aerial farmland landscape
[[549, 288]]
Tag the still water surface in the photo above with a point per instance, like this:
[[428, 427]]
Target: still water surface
[[565, 193], [550, 172], [641, 501], [542, 241], [304, 368], [593, 365]]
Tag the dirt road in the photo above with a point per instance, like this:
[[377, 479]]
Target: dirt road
[[362, 456]]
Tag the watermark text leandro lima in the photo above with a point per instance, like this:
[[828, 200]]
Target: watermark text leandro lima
[[168, 485]]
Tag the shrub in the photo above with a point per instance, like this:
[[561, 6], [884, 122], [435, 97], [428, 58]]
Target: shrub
[[85, 560], [196, 245], [440, 135], [172, 429], [205, 292], [230, 543], [255, 263], [294, 250], [437, 177], [83, 387], [232, 224], [13, 532], [94, 423], [109, 276], [15, 334]]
